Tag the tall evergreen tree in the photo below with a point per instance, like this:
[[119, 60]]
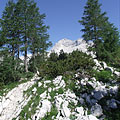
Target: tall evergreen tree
[[8, 27], [93, 21], [23, 29], [24, 16], [33, 31], [98, 29], [38, 35]]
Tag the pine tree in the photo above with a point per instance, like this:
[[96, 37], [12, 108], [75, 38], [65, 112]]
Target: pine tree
[[111, 42], [98, 29], [8, 28], [23, 30], [1, 41], [24, 16], [34, 31], [93, 20], [38, 35]]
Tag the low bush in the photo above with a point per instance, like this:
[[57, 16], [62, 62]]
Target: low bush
[[104, 76], [10, 70], [58, 64]]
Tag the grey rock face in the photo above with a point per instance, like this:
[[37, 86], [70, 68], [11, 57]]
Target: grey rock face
[[96, 110], [98, 95], [112, 103]]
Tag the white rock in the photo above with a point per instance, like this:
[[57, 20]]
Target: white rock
[[70, 94], [66, 112], [39, 84], [98, 64], [92, 83], [47, 81], [96, 110], [49, 89], [1, 108], [83, 82], [104, 65], [68, 46], [57, 80], [14, 101], [80, 110], [46, 107], [62, 83], [58, 101], [48, 97], [38, 73], [43, 95], [76, 75], [113, 89], [91, 117], [82, 117], [34, 90], [117, 73]]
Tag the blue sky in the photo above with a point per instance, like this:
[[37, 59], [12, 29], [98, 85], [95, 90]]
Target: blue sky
[[62, 16]]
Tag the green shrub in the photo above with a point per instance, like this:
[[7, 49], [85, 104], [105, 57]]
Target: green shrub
[[58, 65], [29, 74], [10, 70], [60, 91], [104, 76]]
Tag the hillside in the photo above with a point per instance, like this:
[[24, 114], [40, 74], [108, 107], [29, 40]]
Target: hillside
[[70, 96], [76, 79]]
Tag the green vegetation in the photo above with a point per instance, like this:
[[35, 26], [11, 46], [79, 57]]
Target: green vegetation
[[98, 29], [32, 104], [104, 76], [4, 89], [66, 63], [53, 112], [22, 31]]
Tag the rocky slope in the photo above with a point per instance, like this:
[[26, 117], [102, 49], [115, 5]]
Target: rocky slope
[[59, 98], [54, 96], [54, 100]]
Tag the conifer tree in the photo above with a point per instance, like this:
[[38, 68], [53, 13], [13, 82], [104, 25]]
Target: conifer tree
[[23, 30], [24, 15], [93, 21], [98, 29], [8, 27], [33, 31]]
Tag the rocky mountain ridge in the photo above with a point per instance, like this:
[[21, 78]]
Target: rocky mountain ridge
[[69, 45]]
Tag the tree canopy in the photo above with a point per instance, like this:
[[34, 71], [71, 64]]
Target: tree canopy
[[98, 29]]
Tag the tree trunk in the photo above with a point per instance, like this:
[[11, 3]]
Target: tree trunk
[[18, 52], [13, 51], [33, 54], [25, 25], [25, 58]]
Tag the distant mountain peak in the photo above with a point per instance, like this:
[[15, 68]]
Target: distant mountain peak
[[68, 45]]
